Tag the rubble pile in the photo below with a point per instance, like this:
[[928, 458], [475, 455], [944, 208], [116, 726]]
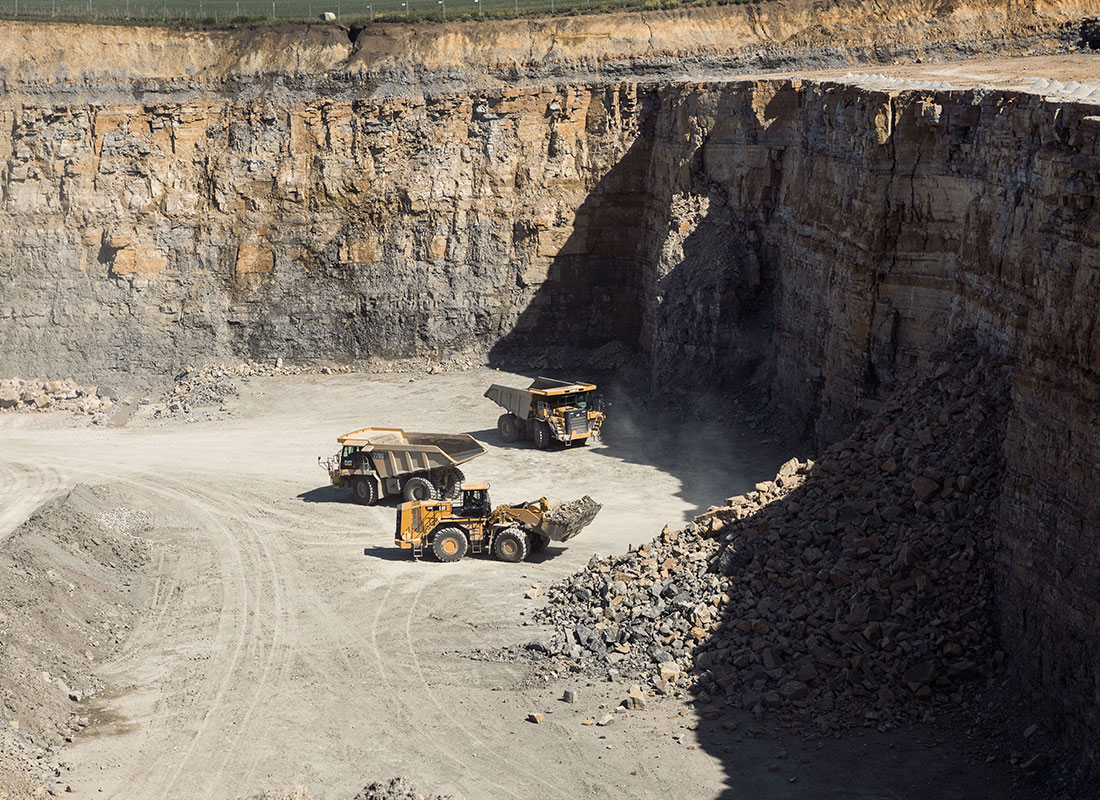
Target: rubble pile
[[63, 395], [573, 511], [853, 591], [213, 384]]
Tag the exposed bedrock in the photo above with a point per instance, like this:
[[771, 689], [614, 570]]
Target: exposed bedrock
[[817, 238]]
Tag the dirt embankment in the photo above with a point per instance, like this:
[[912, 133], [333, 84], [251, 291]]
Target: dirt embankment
[[786, 34], [69, 592]]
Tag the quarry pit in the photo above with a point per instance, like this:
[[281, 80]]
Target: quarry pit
[[837, 269]]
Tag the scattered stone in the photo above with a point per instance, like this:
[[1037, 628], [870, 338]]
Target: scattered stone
[[398, 789], [569, 696], [854, 591], [535, 718], [635, 698]]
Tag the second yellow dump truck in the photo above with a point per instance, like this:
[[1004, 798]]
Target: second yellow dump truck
[[548, 410], [449, 529], [380, 462]]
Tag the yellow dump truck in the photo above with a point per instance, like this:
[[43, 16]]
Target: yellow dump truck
[[546, 410], [449, 529], [381, 462]]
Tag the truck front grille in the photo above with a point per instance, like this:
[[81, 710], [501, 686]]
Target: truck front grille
[[576, 421]]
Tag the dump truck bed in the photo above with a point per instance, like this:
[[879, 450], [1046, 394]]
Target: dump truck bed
[[519, 401], [554, 386], [396, 452]]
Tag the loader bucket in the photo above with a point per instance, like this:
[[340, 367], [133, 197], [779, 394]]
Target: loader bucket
[[566, 520]]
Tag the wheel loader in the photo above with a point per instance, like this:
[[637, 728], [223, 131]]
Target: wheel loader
[[548, 410], [449, 529], [380, 462]]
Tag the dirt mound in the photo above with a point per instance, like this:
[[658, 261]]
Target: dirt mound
[[854, 591], [67, 601]]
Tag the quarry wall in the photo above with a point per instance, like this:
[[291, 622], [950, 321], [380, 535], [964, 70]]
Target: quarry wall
[[210, 198]]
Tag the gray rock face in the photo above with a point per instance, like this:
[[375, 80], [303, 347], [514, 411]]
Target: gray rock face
[[819, 238]]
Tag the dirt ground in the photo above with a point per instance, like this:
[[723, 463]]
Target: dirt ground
[[287, 642]]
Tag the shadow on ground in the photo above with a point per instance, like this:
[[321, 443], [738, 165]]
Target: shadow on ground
[[395, 553]]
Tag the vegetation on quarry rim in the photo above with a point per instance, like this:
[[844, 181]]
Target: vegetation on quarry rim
[[354, 15]]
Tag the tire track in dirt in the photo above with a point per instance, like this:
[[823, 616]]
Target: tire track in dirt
[[535, 778], [266, 615], [231, 637], [23, 488], [425, 733]]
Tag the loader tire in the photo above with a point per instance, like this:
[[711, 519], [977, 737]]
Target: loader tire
[[510, 545], [508, 425], [536, 543], [418, 489], [365, 491], [449, 544], [542, 435]]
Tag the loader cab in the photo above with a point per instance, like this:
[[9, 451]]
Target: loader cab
[[475, 500]]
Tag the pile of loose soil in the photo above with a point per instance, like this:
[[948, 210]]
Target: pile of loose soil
[[68, 596], [854, 591]]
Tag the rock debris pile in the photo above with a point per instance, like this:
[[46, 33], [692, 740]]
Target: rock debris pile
[[63, 395], [851, 591], [213, 384], [572, 516]]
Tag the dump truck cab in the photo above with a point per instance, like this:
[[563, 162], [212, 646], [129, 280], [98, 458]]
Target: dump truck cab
[[549, 409]]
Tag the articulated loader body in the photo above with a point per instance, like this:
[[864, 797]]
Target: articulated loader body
[[546, 410], [449, 530]]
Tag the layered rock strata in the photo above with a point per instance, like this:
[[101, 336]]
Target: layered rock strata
[[818, 237]]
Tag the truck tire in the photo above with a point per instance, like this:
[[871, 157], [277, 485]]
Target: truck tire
[[365, 491], [418, 489], [536, 543], [451, 488], [510, 545], [542, 435], [508, 425], [449, 544]]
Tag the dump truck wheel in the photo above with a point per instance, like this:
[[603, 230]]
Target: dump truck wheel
[[418, 489], [451, 489], [449, 544], [365, 491], [510, 545], [542, 436], [508, 427], [536, 543]]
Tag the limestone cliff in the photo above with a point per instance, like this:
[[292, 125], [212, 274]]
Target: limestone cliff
[[170, 197]]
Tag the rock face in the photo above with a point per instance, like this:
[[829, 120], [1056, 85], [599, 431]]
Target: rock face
[[171, 198]]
